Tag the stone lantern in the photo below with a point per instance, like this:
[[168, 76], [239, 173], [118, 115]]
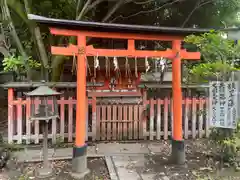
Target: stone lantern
[[46, 110]]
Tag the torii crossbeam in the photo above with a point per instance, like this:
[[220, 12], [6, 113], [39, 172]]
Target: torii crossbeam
[[82, 30]]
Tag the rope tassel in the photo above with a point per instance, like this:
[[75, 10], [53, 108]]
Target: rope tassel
[[96, 63], [136, 68], [147, 64], [115, 63]]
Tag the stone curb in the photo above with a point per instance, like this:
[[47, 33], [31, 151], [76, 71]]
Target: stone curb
[[32, 160], [111, 168]]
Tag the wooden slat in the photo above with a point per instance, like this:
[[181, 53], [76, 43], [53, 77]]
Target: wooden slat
[[136, 122], [207, 119], [19, 122], [10, 116], [114, 126], [62, 119], [120, 125], [158, 119], [125, 116], [194, 111], [171, 112], [54, 130], [143, 117], [70, 121], [141, 121], [186, 120], [94, 120], [28, 123], [130, 125], [200, 125], [36, 124], [103, 124], [166, 118], [109, 124], [54, 127], [115, 94], [87, 120], [98, 127], [151, 128]]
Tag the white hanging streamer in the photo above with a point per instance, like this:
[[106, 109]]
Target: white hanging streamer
[[162, 63], [147, 64], [96, 63], [115, 63], [74, 64]]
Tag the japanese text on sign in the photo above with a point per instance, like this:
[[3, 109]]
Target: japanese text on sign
[[223, 104]]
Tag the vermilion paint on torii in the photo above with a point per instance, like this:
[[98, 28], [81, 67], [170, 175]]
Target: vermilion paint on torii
[[82, 50]]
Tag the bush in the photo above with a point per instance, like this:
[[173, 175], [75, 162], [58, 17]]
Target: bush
[[227, 142]]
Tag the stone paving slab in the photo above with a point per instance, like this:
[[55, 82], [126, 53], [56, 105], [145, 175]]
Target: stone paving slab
[[122, 168], [32, 155], [116, 148], [29, 155], [158, 147], [111, 168], [148, 176], [132, 168], [125, 174]]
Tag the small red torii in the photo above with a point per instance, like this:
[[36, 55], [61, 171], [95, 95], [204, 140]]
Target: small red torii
[[82, 30]]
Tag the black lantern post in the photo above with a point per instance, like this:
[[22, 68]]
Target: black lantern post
[[44, 112]]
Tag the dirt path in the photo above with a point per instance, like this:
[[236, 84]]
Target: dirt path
[[97, 166]]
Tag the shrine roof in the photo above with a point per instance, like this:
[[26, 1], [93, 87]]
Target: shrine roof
[[119, 28]]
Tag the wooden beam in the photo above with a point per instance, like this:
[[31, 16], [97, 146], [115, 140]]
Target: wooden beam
[[128, 53], [169, 86], [72, 50], [190, 55], [114, 94], [50, 84], [65, 32]]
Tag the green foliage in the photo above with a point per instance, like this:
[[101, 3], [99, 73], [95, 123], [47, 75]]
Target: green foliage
[[214, 47], [205, 72], [227, 141], [216, 64], [18, 64], [217, 55]]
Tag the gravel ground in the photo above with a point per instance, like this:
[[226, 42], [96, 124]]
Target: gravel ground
[[26, 171], [201, 164]]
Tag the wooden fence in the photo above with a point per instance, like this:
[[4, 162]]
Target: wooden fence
[[150, 119]]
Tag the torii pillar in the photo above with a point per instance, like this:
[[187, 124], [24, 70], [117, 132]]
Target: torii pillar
[[178, 148], [79, 166]]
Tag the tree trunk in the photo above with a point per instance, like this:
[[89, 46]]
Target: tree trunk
[[38, 39], [14, 35]]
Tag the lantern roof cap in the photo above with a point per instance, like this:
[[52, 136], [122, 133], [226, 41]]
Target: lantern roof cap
[[43, 90]]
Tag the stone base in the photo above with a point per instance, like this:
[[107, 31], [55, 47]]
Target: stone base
[[43, 173], [178, 152], [80, 176], [79, 163]]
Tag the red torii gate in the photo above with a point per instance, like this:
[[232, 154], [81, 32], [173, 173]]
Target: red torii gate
[[82, 30]]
